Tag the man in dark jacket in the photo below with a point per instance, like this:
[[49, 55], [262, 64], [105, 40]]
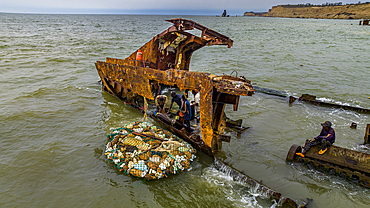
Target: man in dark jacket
[[175, 98], [325, 139], [185, 109]]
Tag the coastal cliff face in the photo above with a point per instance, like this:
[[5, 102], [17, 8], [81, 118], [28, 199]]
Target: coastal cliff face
[[353, 11]]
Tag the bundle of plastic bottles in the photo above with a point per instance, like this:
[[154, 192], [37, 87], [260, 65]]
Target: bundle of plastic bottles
[[143, 150]]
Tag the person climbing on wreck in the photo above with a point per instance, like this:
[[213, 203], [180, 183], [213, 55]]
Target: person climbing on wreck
[[325, 139], [185, 110], [175, 98], [160, 103]]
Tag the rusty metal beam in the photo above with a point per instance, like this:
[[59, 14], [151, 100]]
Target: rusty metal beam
[[367, 135], [341, 164], [309, 99], [218, 39], [258, 186], [343, 157], [325, 104]]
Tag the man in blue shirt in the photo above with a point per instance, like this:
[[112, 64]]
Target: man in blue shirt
[[175, 98], [325, 139], [185, 109]]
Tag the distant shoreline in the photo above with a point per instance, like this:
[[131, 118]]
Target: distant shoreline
[[324, 11]]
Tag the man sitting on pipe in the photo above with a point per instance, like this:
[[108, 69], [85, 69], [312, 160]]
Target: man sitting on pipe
[[326, 138]]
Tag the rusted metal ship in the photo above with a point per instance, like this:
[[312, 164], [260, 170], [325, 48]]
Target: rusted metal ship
[[164, 61], [346, 163]]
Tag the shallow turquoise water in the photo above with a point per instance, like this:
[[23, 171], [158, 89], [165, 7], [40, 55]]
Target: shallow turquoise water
[[55, 117]]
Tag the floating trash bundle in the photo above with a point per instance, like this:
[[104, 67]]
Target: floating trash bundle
[[143, 150]]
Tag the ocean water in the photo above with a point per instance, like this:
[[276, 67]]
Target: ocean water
[[55, 117]]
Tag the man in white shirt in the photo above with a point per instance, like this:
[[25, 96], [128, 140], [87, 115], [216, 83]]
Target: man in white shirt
[[196, 102]]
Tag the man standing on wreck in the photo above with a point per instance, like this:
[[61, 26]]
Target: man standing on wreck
[[175, 98], [185, 109], [326, 138]]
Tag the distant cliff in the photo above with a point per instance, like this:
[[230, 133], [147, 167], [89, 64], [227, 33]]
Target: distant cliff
[[331, 11]]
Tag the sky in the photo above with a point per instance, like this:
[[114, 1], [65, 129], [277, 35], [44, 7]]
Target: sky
[[147, 7]]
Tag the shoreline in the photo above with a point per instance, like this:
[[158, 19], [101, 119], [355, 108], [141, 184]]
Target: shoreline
[[350, 11]]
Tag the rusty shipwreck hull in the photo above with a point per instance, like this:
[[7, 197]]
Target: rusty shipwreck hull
[[165, 60], [350, 164]]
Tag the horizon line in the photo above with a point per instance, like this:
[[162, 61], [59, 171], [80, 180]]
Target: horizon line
[[213, 12]]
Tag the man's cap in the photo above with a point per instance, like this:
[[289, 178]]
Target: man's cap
[[326, 123]]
